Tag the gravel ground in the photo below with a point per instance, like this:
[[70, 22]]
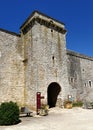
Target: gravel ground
[[58, 119]]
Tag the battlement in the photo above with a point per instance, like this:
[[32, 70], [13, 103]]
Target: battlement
[[72, 53], [9, 32], [37, 17]]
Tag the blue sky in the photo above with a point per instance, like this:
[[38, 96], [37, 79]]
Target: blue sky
[[76, 14]]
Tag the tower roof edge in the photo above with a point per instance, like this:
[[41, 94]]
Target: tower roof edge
[[42, 14]]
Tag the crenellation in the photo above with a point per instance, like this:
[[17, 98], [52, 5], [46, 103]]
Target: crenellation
[[42, 21]]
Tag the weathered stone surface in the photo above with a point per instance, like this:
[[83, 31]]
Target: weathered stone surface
[[11, 69], [46, 53], [80, 69], [30, 62]]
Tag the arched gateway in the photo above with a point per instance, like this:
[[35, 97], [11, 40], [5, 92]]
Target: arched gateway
[[52, 93]]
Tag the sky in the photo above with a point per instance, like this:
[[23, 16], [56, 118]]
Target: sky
[[77, 15]]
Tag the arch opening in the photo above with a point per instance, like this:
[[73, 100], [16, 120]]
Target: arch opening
[[52, 94]]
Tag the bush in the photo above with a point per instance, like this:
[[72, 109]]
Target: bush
[[9, 113], [44, 110], [78, 104]]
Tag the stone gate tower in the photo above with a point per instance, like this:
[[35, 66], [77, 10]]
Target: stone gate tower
[[45, 66], [36, 60]]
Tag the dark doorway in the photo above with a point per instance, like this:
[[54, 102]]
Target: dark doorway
[[52, 93]]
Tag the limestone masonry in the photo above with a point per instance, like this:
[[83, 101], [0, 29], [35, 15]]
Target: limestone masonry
[[37, 61]]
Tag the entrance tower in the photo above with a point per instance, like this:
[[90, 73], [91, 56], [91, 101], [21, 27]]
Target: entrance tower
[[44, 57]]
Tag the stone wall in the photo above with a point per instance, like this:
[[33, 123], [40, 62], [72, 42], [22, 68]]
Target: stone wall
[[32, 61], [80, 75], [45, 60], [11, 68]]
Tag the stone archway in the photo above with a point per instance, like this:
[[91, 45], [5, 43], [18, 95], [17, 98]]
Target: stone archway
[[52, 94]]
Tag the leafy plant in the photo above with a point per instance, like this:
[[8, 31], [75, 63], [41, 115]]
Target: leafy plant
[[9, 113], [44, 110], [78, 104], [44, 106]]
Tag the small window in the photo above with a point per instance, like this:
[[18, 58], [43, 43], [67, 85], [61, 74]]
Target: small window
[[71, 80], [85, 84], [90, 83], [53, 57]]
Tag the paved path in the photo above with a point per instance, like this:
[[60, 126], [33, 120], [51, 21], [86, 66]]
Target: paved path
[[58, 119]]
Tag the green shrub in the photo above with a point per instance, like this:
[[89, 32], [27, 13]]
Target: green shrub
[[78, 104], [9, 113]]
